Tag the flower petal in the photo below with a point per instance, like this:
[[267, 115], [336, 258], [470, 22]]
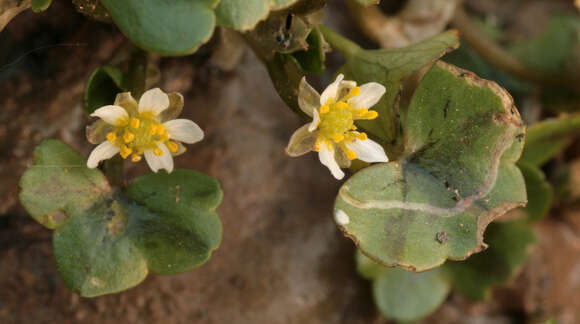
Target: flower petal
[[184, 130], [97, 131], [180, 149], [329, 94], [370, 94], [164, 161], [368, 150], [126, 100], [342, 159], [326, 156], [154, 101], [308, 98], [301, 142], [113, 115], [103, 151], [315, 121]]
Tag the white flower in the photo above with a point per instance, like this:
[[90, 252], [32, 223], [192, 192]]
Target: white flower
[[332, 132], [146, 128]]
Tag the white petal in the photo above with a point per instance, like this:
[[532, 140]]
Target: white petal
[[370, 94], [368, 150], [156, 163], [113, 115], [308, 98], [103, 151], [301, 142], [153, 100], [315, 121], [329, 94], [326, 156], [184, 130]]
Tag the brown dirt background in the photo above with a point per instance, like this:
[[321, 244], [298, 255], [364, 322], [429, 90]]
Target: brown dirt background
[[282, 259]]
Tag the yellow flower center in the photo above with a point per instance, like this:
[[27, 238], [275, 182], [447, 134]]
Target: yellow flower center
[[337, 123], [138, 134]]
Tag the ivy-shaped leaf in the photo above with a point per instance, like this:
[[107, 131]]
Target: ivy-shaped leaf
[[102, 86], [462, 136], [176, 27], [40, 5], [244, 15], [540, 191], [106, 241], [402, 295], [549, 138], [509, 249], [391, 67]]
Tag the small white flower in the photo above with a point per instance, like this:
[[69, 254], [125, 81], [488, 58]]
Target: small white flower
[[146, 128], [332, 132]]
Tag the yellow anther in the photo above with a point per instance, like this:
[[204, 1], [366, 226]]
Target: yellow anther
[[164, 137], [363, 111], [372, 114], [362, 136], [338, 137], [136, 157], [324, 109], [152, 129], [128, 137], [134, 123], [350, 154], [161, 130], [317, 146], [172, 146], [342, 105], [111, 137], [354, 92], [125, 151], [157, 151]]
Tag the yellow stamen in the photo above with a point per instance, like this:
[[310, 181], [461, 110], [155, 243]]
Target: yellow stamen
[[172, 146], [136, 157], [350, 154], [128, 137], [111, 137], [157, 151], [342, 105], [372, 114], [317, 146], [152, 129], [134, 123], [160, 130], [354, 92], [338, 137], [362, 136], [164, 137], [324, 109], [125, 151]]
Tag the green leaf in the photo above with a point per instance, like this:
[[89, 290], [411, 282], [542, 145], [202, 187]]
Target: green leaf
[[389, 67], [106, 241], [312, 60], [175, 27], [244, 15], [549, 138], [102, 87], [40, 5], [403, 295], [509, 249], [540, 191], [463, 136], [368, 2]]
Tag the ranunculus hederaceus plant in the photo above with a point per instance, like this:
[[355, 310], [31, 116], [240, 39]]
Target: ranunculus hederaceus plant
[[436, 147]]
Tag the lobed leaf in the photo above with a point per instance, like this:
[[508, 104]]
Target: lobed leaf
[[462, 138], [106, 241], [177, 27]]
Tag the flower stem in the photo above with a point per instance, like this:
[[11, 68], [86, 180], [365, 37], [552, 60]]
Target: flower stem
[[347, 47]]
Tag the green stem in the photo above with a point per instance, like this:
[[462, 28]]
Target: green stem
[[113, 168], [347, 47]]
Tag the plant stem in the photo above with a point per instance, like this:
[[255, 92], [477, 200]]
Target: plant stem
[[347, 47]]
